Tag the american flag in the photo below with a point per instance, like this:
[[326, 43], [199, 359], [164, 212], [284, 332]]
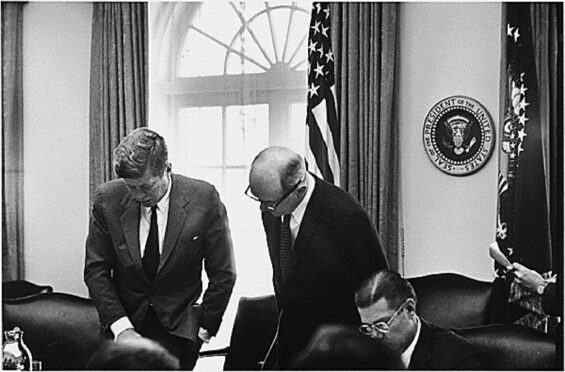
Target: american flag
[[522, 223], [323, 132]]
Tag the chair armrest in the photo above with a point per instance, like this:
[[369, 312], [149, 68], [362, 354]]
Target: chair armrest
[[214, 352]]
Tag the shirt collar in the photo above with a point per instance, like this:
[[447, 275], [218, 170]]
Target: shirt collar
[[299, 211], [407, 354]]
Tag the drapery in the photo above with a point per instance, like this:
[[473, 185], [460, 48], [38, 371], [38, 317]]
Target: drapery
[[530, 205], [12, 142], [365, 46], [118, 81]]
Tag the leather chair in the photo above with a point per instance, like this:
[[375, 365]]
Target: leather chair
[[254, 328], [60, 329], [513, 347], [19, 289], [453, 301]]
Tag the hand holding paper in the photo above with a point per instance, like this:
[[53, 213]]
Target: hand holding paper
[[499, 257]]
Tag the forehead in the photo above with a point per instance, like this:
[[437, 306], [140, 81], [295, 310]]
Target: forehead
[[379, 311]]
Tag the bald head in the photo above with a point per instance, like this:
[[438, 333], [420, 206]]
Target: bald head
[[274, 171]]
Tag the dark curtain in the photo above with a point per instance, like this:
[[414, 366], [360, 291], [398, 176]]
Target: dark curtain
[[12, 142], [364, 36], [530, 203], [118, 81]]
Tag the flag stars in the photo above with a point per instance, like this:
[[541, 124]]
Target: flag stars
[[325, 31], [520, 148], [313, 90], [327, 11], [312, 46], [316, 27], [329, 56], [523, 104], [522, 119], [319, 70], [318, 7], [523, 89], [509, 30], [516, 35], [521, 135], [321, 51]]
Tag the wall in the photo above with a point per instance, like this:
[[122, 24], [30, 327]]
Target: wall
[[447, 49], [56, 97]]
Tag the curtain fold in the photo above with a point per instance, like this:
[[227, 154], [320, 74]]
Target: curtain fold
[[118, 81], [12, 142], [365, 44], [547, 32]]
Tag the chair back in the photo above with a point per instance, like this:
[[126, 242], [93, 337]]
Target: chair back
[[254, 328], [61, 330], [452, 300], [513, 347], [18, 289]]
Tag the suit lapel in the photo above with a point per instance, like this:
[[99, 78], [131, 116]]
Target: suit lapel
[[130, 227], [310, 222], [178, 213]]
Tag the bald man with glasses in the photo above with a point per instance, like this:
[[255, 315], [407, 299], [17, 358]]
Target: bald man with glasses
[[321, 244], [387, 304]]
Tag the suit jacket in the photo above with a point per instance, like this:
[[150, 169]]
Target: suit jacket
[[336, 248], [439, 348], [197, 232]]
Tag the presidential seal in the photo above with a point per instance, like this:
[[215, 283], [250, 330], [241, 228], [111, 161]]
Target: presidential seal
[[458, 135]]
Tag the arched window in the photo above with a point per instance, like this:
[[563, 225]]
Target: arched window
[[227, 80]]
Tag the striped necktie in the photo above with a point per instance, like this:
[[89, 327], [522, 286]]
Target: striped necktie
[[285, 246]]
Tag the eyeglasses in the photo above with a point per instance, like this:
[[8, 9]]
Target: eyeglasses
[[272, 206], [380, 326]]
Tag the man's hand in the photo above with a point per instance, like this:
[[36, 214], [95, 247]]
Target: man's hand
[[128, 333], [528, 279]]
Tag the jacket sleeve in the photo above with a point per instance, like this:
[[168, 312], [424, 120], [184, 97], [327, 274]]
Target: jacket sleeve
[[365, 247], [219, 265], [99, 263]]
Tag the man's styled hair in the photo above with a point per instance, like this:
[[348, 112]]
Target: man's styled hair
[[386, 284], [140, 150]]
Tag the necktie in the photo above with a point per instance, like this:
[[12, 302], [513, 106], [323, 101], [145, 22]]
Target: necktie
[[151, 256], [285, 246]]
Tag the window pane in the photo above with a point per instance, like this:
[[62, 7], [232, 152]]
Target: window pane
[[199, 136], [297, 135], [247, 133]]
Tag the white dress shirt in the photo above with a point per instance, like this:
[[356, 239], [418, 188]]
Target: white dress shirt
[[406, 356], [297, 215]]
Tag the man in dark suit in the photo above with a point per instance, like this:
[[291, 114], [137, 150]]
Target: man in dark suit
[[150, 233], [321, 244], [387, 304]]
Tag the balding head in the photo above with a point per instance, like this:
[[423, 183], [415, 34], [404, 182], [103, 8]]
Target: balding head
[[274, 172]]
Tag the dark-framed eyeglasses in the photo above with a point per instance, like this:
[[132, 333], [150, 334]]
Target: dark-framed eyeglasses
[[380, 326], [272, 206]]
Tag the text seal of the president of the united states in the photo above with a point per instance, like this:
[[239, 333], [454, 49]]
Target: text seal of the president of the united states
[[458, 135]]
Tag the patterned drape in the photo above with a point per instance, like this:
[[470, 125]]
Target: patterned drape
[[365, 45], [118, 81]]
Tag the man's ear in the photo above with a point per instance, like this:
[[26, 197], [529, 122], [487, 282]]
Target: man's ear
[[169, 166], [411, 306]]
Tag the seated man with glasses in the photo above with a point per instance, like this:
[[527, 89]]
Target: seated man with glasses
[[321, 244], [387, 304]]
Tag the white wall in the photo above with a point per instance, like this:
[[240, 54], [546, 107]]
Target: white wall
[[447, 49], [56, 69]]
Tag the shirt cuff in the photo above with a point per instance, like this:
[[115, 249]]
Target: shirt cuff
[[120, 325], [204, 335]]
